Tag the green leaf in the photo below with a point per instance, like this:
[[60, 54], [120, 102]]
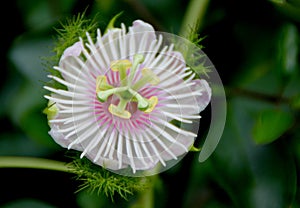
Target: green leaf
[[288, 50], [26, 53], [270, 125], [296, 102], [112, 22], [91, 200], [295, 3], [27, 203], [25, 110], [278, 1], [19, 145], [289, 8], [253, 176], [42, 14]]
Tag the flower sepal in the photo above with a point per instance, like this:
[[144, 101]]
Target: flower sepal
[[51, 110], [194, 149]]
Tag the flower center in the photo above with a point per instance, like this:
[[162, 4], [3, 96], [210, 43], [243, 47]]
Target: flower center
[[127, 91]]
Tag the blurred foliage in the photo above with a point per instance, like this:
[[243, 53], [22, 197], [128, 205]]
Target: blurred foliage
[[255, 47]]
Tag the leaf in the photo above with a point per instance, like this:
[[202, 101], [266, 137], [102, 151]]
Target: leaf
[[287, 56], [112, 22], [253, 176], [91, 200], [25, 110], [19, 145], [270, 125], [27, 203], [38, 15], [26, 55], [290, 8]]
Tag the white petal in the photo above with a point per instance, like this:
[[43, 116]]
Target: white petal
[[205, 97], [140, 38], [109, 45], [176, 149], [58, 137], [74, 50]]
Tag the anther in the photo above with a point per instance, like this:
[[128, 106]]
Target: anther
[[121, 66], [152, 103], [137, 59], [148, 77], [101, 84], [142, 102], [116, 111]]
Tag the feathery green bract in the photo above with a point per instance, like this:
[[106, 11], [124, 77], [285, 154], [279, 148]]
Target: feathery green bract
[[190, 47], [98, 179], [197, 61], [67, 35], [194, 36], [72, 30]]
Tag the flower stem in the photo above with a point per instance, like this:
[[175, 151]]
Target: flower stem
[[145, 198], [31, 162], [193, 16]]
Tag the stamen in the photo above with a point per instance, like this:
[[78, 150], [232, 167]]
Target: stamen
[[148, 77], [103, 95], [152, 103], [153, 79], [142, 102], [121, 66], [137, 59], [115, 111], [120, 109], [101, 84], [127, 93]]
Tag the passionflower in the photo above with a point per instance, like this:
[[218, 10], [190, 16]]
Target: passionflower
[[128, 100]]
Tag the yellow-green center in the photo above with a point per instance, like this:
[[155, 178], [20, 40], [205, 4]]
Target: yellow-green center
[[127, 91]]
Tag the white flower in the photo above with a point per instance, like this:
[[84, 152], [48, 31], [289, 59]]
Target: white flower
[[129, 102]]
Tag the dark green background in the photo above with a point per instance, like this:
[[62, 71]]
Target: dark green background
[[254, 45]]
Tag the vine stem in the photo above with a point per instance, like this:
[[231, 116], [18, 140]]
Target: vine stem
[[193, 16], [34, 163]]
